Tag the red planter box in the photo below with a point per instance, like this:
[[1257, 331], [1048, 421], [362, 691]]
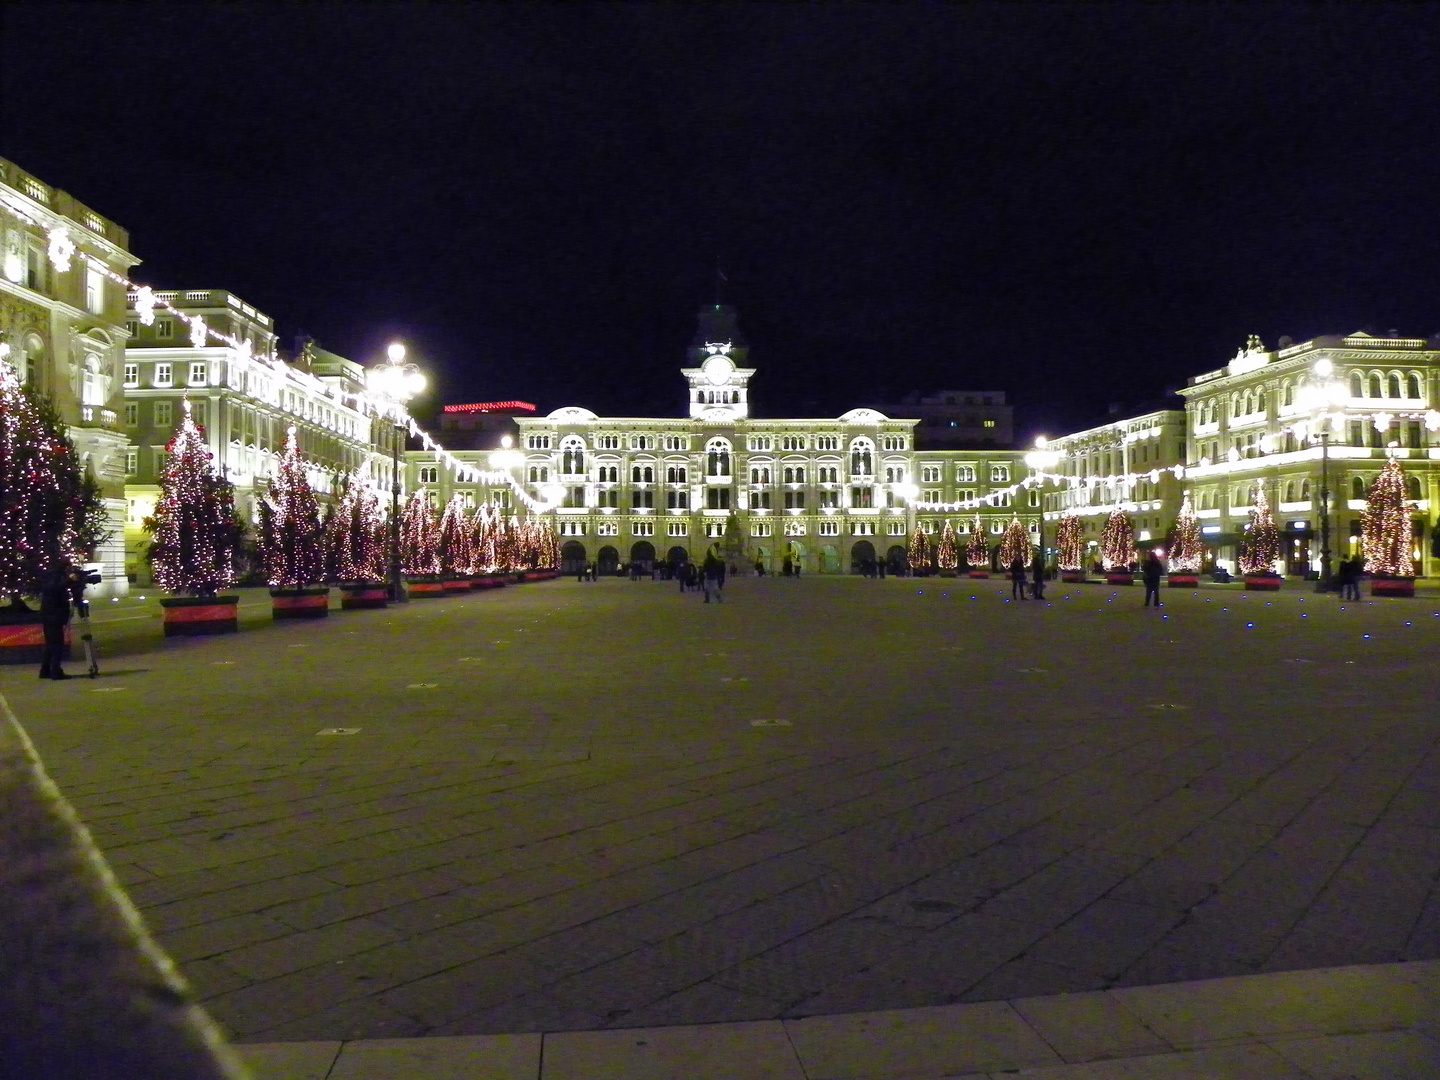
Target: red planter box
[[1072, 577], [300, 603], [22, 642], [456, 585], [1263, 582], [199, 616], [425, 587], [979, 574], [497, 581], [1119, 577], [1184, 581], [362, 595], [1392, 586]]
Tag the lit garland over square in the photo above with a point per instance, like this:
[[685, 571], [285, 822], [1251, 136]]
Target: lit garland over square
[[194, 528], [1386, 528]]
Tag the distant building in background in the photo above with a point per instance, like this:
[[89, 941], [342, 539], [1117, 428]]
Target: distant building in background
[[481, 425], [244, 403], [958, 419], [63, 318]]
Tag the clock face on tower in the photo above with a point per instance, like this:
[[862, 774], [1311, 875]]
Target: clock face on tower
[[718, 370]]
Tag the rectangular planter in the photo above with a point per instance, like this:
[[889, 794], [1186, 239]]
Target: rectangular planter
[[1392, 586], [1263, 582], [1184, 581], [456, 585], [977, 574], [424, 587], [1119, 577], [22, 642], [200, 616], [1072, 577], [300, 603], [359, 596], [496, 581]]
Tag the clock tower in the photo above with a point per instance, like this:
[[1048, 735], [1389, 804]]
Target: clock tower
[[718, 381]]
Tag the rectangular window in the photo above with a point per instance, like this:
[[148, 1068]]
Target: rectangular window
[[199, 373], [162, 414], [760, 500], [132, 462], [642, 499], [162, 375], [161, 460], [94, 290], [829, 528], [500, 498], [132, 375], [717, 498], [642, 528], [132, 328], [574, 497], [164, 328], [677, 500], [863, 497], [829, 499], [966, 495], [794, 500], [930, 495], [132, 414], [197, 413]]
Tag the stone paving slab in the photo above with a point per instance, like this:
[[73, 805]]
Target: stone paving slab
[[580, 827], [1355, 1023]]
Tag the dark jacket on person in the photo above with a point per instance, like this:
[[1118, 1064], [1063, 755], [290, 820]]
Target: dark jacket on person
[[1151, 571], [55, 598]]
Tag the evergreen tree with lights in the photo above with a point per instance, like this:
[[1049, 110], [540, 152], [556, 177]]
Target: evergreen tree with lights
[[453, 542], [733, 542], [291, 537], [1070, 543], [1387, 532], [918, 552], [356, 542], [1262, 539], [51, 510], [419, 538], [1015, 544], [947, 551], [977, 551], [1186, 546], [507, 545], [194, 529], [484, 538], [1117, 541]]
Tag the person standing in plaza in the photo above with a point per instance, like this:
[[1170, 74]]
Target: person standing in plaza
[[1037, 577], [54, 617], [1150, 572], [1017, 578]]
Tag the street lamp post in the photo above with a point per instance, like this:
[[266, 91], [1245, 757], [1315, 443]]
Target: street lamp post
[[1039, 460], [1319, 394], [396, 382]]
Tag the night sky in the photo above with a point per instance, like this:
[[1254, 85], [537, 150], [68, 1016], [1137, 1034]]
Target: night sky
[[1078, 205]]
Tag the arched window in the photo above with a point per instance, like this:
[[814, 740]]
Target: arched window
[[1357, 488], [1375, 390], [1260, 401], [862, 461], [1289, 394], [1394, 384], [1357, 385], [1414, 385], [717, 458], [1289, 491], [1304, 490]]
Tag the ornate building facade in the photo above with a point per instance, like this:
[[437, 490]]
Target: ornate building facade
[[62, 314]]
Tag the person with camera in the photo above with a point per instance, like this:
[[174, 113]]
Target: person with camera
[[56, 593]]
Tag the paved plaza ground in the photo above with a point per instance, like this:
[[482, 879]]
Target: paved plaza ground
[[573, 806]]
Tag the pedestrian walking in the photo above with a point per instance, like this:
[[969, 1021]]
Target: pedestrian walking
[[1017, 578], [1150, 572], [1037, 577], [54, 617]]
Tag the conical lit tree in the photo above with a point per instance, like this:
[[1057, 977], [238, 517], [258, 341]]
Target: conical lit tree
[[918, 553], [355, 537], [1117, 541], [291, 541], [1070, 543], [1015, 544], [50, 506], [453, 544], [1186, 547], [947, 551], [484, 538], [977, 551], [507, 545], [1262, 539], [1386, 528], [419, 537], [194, 529]]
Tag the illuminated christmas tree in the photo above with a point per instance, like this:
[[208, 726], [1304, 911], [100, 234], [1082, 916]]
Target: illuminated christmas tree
[[1186, 548], [1015, 544], [1262, 538], [484, 539], [419, 538], [50, 506], [291, 541], [977, 551], [1070, 543], [194, 529], [919, 552], [1117, 541], [356, 540], [1387, 530], [947, 551], [507, 545], [453, 543]]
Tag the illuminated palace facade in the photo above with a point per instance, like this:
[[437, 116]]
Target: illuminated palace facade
[[830, 493]]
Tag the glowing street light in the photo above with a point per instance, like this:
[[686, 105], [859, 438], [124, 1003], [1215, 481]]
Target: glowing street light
[[1320, 393], [395, 382], [1040, 461]]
